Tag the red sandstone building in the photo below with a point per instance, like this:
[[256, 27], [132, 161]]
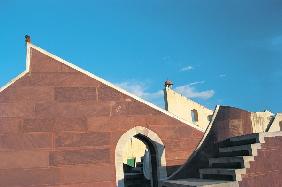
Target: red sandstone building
[[64, 127]]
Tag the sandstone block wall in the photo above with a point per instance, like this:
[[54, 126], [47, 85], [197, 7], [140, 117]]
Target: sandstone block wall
[[59, 128]]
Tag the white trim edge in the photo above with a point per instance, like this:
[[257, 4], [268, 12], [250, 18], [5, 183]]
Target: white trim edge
[[21, 74], [28, 56]]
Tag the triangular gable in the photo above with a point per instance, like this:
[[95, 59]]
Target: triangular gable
[[57, 64]]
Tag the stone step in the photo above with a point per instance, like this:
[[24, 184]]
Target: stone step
[[137, 183], [242, 140], [135, 180], [133, 176], [194, 182], [139, 164], [136, 170], [242, 150], [222, 173], [231, 162]]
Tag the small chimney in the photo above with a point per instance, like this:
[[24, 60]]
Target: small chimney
[[27, 39], [168, 83]]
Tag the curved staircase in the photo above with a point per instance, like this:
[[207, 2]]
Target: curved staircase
[[226, 169]]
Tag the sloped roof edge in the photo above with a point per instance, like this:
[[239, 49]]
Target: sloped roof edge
[[21, 74], [29, 45]]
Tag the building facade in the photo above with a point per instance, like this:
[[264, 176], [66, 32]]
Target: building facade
[[186, 108], [61, 126]]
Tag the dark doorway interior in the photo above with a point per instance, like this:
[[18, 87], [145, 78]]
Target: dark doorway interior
[[134, 177]]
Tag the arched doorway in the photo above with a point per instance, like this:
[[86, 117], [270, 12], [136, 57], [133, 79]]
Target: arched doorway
[[156, 149]]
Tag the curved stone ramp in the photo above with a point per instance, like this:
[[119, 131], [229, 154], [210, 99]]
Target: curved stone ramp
[[242, 161], [226, 122], [227, 167], [182, 170]]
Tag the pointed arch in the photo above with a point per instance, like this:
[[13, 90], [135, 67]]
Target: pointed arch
[[154, 140]]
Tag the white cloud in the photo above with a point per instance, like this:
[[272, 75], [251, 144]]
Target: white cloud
[[187, 68], [140, 89], [191, 92], [133, 87], [222, 75], [197, 82]]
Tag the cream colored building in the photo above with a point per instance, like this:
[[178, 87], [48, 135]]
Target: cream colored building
[[276, 124], [266, 121], [134, 148], [261, 120], [185, 108]]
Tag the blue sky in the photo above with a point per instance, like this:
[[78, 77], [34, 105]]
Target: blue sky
[[216, 52]]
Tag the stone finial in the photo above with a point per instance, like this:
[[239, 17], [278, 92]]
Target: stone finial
[[168, 83], [27, 39]]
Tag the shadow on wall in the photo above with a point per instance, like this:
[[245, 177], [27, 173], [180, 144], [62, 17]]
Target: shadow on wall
[[171, 169]]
